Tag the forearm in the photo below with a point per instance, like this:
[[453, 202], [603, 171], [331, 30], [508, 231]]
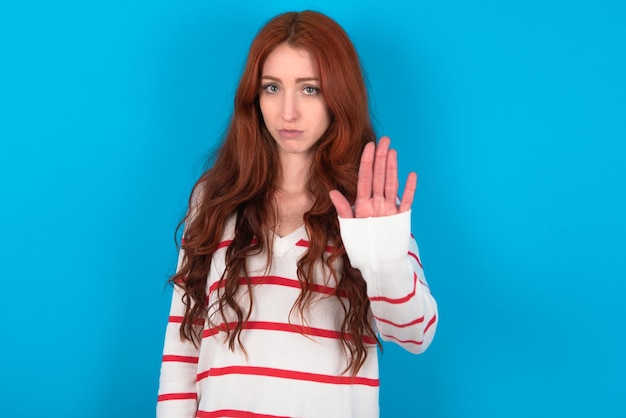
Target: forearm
[[383, 249], [177, 383]]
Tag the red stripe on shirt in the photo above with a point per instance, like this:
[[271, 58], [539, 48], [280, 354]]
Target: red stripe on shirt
[[179, 320], [288, 374], [177, 397], [402, 341], [408, 324], [233, 413], [180, 359], [286, 327], [278, 281], [227, 242], [430, 323], [223, 244], [416, 258], [307, 244], [400, 300], [209, 332], [419, 262]]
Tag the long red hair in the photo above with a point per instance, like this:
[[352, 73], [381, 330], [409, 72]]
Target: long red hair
[[242, 182]]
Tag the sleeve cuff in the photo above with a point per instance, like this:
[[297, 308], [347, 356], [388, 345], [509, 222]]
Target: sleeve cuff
[[373, 242]]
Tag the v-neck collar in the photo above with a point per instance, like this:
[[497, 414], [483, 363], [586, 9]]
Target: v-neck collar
[[283, 244]]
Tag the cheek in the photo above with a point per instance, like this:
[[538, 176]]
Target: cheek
[[326, 119], [262, 106], [265, 107], [323, 117]]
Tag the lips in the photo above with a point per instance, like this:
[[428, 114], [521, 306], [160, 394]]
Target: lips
[[289, 133]]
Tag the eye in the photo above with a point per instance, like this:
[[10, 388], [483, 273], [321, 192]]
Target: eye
[[270, 88], [311, 90]]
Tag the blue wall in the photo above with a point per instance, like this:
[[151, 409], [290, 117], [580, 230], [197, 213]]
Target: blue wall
[[513, 114]]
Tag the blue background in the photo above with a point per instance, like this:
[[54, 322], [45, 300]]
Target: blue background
[[512, 113]]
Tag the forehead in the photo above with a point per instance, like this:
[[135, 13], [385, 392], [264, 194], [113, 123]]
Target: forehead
[[288, 62]]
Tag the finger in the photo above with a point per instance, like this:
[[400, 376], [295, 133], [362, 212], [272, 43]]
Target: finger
[[380, 162], [364, 184], [391, 177], [409, 192], [342, 206]]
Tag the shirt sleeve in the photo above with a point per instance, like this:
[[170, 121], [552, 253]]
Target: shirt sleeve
[[178, 396], [177, 384], [386, 253]]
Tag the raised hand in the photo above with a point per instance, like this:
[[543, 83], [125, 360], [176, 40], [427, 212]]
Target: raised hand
[[377, 188]]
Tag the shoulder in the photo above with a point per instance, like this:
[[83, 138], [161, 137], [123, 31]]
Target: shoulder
[[198, 193]]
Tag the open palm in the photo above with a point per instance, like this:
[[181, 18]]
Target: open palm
[[377, 188]]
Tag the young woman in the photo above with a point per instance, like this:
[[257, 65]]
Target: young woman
[[297, 253]]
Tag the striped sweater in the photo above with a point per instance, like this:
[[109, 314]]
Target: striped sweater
[[292, 366]]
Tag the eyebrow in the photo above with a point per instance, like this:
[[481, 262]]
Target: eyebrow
[[298, 80]]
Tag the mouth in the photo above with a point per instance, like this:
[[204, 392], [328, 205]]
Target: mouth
[[289, 133]]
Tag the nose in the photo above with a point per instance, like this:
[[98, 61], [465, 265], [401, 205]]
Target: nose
[[290, 107]]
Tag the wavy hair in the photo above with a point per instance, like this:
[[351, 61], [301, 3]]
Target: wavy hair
[[242, 181]]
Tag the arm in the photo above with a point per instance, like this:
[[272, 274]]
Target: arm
[[376, 234], [177, 384], [404, 310]]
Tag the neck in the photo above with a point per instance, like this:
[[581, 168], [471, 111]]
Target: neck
[[295, 173], [292, 197]]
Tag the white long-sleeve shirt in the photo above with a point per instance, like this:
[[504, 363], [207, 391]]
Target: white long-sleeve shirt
[[292, 366]]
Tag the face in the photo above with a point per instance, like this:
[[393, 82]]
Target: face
[[293, 108]]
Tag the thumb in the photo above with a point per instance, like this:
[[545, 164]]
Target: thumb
[[342, 206]]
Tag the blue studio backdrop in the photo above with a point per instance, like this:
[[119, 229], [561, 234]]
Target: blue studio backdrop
[[512, 113]]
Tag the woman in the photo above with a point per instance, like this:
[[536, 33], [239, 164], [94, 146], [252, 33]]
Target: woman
[[296, 251]]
